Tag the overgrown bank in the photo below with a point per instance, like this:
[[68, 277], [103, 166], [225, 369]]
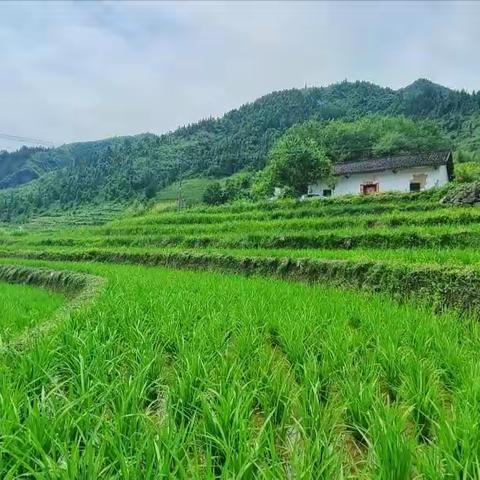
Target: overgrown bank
[[80, 288], [440, 287]]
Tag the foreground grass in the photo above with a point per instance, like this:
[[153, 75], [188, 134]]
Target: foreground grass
[[22, 307], [175, 374]]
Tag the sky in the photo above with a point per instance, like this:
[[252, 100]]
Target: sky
[[74, 71]]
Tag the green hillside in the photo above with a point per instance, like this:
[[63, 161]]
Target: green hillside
[[189, 191], [127, 168]]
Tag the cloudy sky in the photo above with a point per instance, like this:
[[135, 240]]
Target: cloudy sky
[[85, 70]]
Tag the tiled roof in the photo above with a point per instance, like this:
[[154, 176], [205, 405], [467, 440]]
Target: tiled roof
[[393, 163]]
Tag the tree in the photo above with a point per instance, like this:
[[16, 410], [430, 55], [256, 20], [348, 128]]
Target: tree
[[214, 194], [295, 163], [151, 189], [372, 136]]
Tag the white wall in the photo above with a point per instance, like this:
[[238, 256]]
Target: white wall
[[388, 181]]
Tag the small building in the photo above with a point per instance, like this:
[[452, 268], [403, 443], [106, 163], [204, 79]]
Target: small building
[[398, 173]]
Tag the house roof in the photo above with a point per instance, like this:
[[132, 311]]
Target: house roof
[[434, 159]]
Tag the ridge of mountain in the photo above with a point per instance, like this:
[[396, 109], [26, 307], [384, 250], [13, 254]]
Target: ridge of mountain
[[130, 167]]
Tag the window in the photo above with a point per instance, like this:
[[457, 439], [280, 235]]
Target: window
[[327, 192], [414, 186], [369, 188]]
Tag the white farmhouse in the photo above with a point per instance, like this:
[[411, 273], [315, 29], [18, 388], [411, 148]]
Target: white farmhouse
[[400, 173]]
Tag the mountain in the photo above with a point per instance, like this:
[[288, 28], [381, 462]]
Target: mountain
[[125, 168], [15, 167], [29, 163]]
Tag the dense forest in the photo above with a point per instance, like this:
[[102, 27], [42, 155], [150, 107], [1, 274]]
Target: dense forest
[[126, 168]]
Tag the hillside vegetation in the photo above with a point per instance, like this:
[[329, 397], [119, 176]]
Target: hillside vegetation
[[128, 168]]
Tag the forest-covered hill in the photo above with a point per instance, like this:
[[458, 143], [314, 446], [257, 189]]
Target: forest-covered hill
[[125, 168]]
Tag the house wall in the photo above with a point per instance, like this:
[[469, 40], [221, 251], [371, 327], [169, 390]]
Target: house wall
[[388, 181]]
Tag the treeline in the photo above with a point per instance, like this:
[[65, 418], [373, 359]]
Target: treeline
[[304, 153], [137, 167]]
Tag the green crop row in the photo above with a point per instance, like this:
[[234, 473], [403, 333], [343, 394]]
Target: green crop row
[[456, 257], [335, 240], [443, 217], [195, 375], [441, 236], [209, 216], [444, 287], [432, 196], [445, 256]]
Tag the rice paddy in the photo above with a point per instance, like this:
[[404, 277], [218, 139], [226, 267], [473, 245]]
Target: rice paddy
[[202, 374], [22, 307]]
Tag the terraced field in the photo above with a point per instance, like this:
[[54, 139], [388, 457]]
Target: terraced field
[[22, 306], [334, 339]]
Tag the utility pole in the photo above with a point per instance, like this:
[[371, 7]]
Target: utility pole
[[180, 199]]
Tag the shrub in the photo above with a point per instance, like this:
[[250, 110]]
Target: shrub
[[467, 172], [214, 194], [464, 194]]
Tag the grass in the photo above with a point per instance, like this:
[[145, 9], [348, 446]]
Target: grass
[[22, 307], [196, 375], [384, 223], [181, 374], [192, 191]]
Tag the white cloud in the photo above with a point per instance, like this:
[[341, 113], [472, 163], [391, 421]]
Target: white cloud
[[81, 70]]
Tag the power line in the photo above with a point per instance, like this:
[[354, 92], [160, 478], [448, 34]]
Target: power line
[[31, 141]]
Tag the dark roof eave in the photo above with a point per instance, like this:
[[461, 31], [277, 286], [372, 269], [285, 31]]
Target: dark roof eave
[[397, 162]]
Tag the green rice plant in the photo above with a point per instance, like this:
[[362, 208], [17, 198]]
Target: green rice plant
[[172, 373], [422, 393], [315, 441], [24, 306], [359, 394], [229, 439], [275, 389], [457, 452], [185, 395], [391, 448]]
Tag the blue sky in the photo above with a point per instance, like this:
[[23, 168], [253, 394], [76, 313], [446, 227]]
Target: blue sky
[[85, 70]]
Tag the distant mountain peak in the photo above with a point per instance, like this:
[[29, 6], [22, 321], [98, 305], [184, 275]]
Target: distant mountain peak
[[422, 84]]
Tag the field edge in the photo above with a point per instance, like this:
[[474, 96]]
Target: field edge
[[440, 287], [79, 288]]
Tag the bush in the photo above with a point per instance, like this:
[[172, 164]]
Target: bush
[[464, 194], [467, 172], [214, 194]]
